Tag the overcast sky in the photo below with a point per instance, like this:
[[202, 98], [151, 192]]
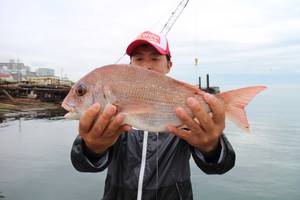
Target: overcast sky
[[73, 37]]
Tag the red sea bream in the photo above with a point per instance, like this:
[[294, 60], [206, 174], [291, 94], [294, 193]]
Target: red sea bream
[[147, 98]]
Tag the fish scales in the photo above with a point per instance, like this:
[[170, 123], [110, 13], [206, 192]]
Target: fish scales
[[148, 92], [162, 108]]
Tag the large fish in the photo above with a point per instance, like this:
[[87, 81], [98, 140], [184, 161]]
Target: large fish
[[148, 99]]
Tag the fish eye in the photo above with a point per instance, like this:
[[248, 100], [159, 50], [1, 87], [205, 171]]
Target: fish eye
[[81, 90]]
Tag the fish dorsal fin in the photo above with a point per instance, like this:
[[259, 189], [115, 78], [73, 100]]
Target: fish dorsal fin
[[195, 89]]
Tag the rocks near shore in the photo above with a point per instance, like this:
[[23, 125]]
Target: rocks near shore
[[26, 107]]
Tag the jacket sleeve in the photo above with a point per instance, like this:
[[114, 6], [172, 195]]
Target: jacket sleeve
[[223, 162], [85, 161]]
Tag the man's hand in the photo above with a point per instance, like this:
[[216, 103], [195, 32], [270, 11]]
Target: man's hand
[[100, 131], [205, 131]]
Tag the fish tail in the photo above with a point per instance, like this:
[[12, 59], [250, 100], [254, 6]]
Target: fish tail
[[235, 102]]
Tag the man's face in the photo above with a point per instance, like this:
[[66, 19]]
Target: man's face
[[148, 57]]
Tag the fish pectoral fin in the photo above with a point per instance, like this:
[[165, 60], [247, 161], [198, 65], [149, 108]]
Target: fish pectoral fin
[[108, 94]]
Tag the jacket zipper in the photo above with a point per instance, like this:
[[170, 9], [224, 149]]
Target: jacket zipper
[[143, 164]]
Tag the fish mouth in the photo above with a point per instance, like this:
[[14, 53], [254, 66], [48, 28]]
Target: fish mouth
[[72, 114], [68, 107]]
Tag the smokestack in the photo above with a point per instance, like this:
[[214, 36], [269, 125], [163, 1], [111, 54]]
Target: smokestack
[[207, 81], [199, 82]]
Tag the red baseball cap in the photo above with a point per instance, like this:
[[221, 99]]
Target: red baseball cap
[[159, 42]]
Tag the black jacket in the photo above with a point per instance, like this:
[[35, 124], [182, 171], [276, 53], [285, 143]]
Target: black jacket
[[166, 170]]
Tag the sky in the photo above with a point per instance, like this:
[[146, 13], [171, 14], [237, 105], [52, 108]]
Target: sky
[[228, 37]]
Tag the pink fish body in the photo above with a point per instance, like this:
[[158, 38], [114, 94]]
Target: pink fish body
[[148, 99]]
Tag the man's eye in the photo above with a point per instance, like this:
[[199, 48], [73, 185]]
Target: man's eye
[[138, 59]]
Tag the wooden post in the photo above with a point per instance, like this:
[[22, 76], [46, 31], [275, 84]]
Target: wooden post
[[8, 95]]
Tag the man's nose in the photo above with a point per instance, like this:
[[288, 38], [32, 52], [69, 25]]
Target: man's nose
[[147, 66]]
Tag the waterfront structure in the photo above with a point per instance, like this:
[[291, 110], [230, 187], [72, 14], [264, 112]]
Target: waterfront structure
[[6, 78], [45, 80]]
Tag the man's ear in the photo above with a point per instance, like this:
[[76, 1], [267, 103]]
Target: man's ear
[[170, 64]]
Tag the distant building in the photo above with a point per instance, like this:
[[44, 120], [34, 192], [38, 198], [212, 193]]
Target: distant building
[[44, 72], [18, 70], [30, 74], [14, 66]]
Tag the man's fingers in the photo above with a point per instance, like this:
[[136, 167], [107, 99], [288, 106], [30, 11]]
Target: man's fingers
[[122, 129], [114, 125], [87, 119], [202, 116], [179, 132], [217, 108], [187, 120], [103, 120]]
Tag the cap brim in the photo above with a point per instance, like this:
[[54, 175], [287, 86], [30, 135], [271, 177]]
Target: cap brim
[[139, 42]]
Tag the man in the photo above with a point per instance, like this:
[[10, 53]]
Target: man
[[144, 165]]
